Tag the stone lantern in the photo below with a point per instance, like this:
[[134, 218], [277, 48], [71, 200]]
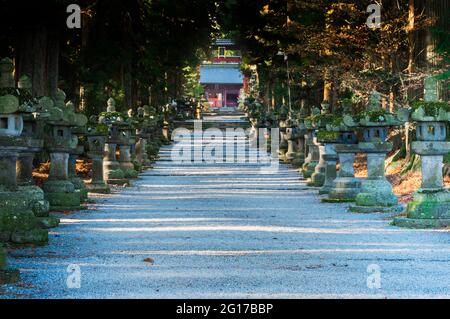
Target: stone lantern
[[96, 135], [345, 187], [298, 139], [111, 167], [18, 223], [143, 134], [126, 143], [318, 177], [376, 192], [430, 206], [312, 155], [60, 142], [134, 139], [283, 120], [289, 137], [166, 129], [79, 132], [32, 135], [327, 138]]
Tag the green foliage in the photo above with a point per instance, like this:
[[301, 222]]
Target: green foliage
[[101, 128], [320, 119], [447, 158], [337, 121]]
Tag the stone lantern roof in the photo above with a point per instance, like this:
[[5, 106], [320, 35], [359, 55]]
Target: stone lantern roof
[[62, 114], [374, 116]]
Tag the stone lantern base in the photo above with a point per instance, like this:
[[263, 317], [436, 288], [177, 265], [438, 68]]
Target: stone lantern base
[[73, 177], [428, 209], [376, 193], [308, 168], [116, 177], [376, 196], [130, 172], [344, 189], [39, 205], [79, 187], [62, 195], [298, 159], [318, 177], [312, 161], [346, 186], [7, 276], [18, 223], [330, 171], [125, 162], [98, 187]]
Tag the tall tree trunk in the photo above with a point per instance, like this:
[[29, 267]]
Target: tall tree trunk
[[39, 56], [327, 86], [127, 85], [53, 62], [32, 58], [85, 31]]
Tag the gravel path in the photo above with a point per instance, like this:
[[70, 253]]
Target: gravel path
[[230, 231]]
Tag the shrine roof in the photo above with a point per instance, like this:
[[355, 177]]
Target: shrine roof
[[221, 73]]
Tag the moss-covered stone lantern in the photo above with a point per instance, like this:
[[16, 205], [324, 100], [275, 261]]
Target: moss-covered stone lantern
[[345, 187], [143, 134], [117, 169], [376, 192], [18, 222], [19, 205], [96, 135], [430, 206], [126, 145], [60, 142], [328, 137], [113, 174], [32, 133], [76, 152]]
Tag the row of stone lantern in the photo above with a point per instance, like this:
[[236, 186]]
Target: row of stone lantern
[[327, 139], [22, 206], [117, 145]]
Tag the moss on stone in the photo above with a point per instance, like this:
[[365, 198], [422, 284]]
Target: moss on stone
[[116, 174], [130, 173], [35, 236], [431, 108], [64, 201], [9, 276], [337, 200], [48, 222], [2, 257], [421, 223]]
